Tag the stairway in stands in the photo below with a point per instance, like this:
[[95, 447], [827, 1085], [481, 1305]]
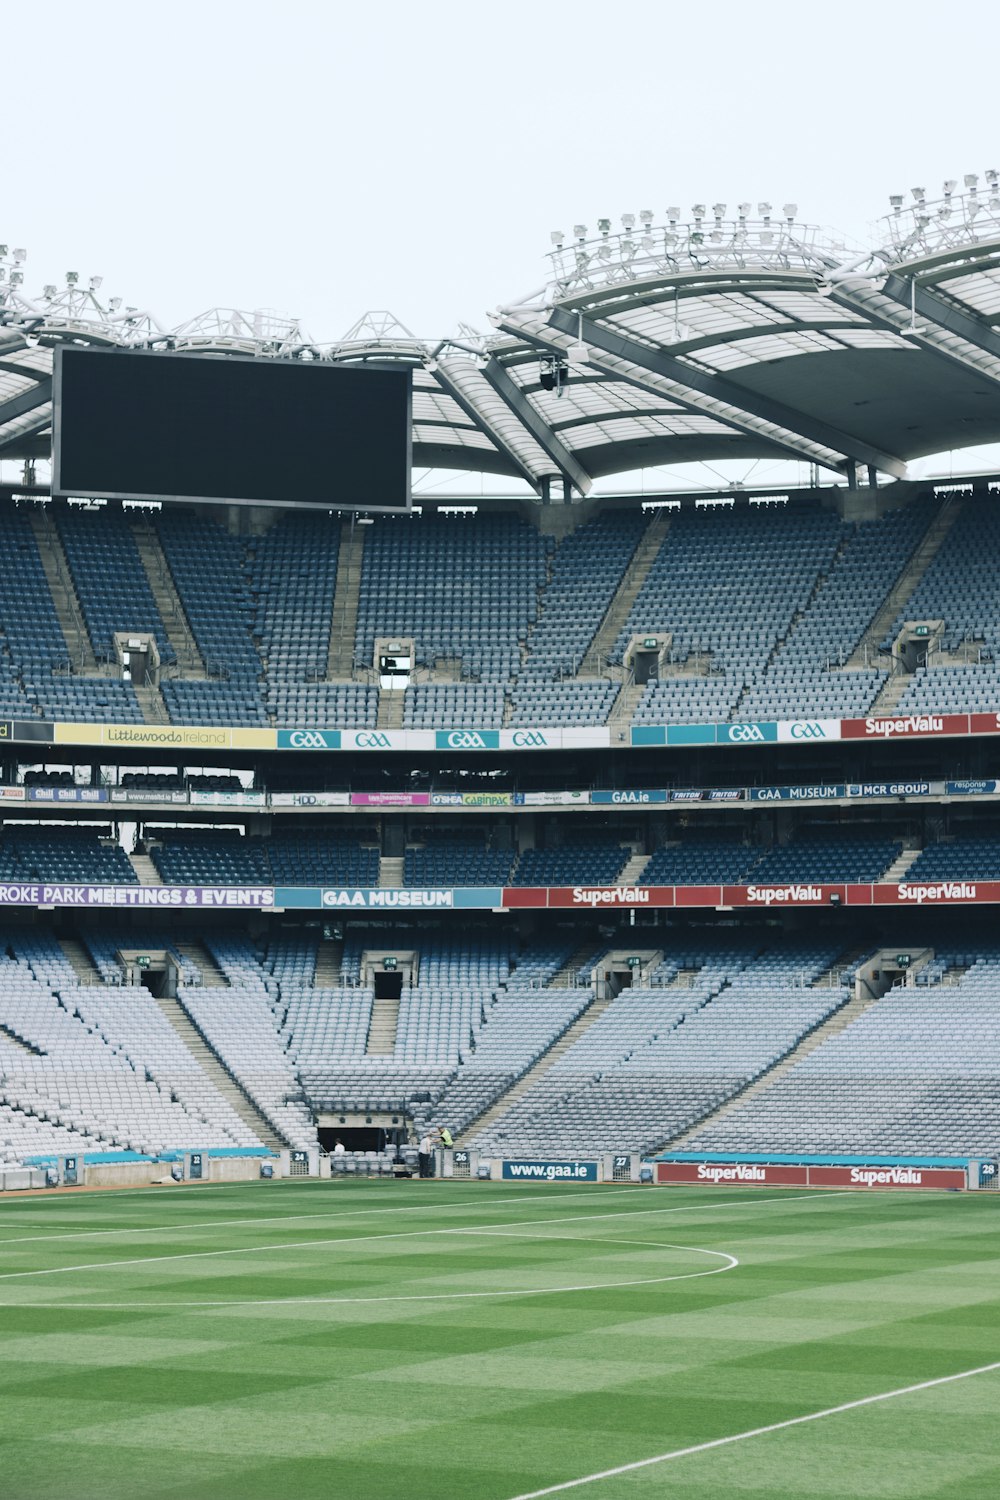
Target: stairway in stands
[[527, 1080], [198, 956], [834, 1023], [899, 867], [632, 872], [168, 601], [595, 658], [382, 1027], [344, 608], [390, 873], [145, 870], [329, 957], [211, 1064], [390, 709], [866, 652], [583, 957], [60, 580], [80, 961]]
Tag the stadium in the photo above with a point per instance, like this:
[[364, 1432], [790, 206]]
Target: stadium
[[636, 840]]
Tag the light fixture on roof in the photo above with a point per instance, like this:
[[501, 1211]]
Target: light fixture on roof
[[95, 283], [556, 236], [72, 277], [648, 243], [628, 221], [580, 230], [114, 304], [949, 187], [577, 354], [604, 225], [49, 292], [919, 194], [764, 209], [719, 211], [604, 250], [790, 210], [646, 216], [698, 211], [20, 256], [896, 202], [673, 214], [971, 180]]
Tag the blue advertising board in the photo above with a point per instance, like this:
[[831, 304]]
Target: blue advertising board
[[550, 1171]]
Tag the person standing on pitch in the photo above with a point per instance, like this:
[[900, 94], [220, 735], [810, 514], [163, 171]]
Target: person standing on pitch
[[425, 1158]]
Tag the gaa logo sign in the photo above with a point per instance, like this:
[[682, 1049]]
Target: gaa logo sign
[[372, 741], [468, 739], [747, 734], [529, 739], [310, 739], [806, 729]]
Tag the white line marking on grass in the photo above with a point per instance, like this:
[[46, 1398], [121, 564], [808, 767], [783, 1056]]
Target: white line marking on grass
[[543, 1291], [359, 1239], [741, 1437], [347, 1213], [414, 1208]]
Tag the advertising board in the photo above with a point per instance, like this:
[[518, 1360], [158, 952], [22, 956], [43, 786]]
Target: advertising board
[[549, 1171]]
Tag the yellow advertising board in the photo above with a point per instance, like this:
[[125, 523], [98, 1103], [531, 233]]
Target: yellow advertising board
[[165, 736]]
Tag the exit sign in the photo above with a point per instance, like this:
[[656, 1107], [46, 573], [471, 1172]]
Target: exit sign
[[902, 960], [922, 630], [389, 962], [142, 960], [650, 643], [635, 962]]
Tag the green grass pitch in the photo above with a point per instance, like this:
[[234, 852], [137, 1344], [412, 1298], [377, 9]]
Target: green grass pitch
[[437, 1341]]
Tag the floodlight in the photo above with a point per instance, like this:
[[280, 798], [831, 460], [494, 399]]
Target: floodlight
[[604, 251], [789, 210], [719, 210], [950, 186], [628, 220], [556, 236], [604, 225], [764, 209], [3, 249], [647, 243], [896, 202], [115, 304], [580, 230], [992, 176], [919, 194], [646, 215], [72, 277], [698, 210], [48, 291], [744, 209], [95, 283], [673, 214], [971, 181], [20, 256], [16, 278]]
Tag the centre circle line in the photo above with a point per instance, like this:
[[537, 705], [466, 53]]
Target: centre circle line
[[732, 1262]]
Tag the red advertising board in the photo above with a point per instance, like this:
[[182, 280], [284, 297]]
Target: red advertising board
[[936, 892], [905, 726], [610, 897], [984, 723], [698, 895], [793, 893], [731, 1174], [887, 1177], [525, 895], [769, 1174]]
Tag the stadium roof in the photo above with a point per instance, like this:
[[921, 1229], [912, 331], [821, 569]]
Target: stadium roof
[[705, 337]]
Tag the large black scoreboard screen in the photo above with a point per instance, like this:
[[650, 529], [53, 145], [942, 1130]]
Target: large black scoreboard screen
[[248, 431]]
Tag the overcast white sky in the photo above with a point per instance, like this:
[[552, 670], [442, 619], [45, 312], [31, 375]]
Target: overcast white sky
[[323, 159]]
